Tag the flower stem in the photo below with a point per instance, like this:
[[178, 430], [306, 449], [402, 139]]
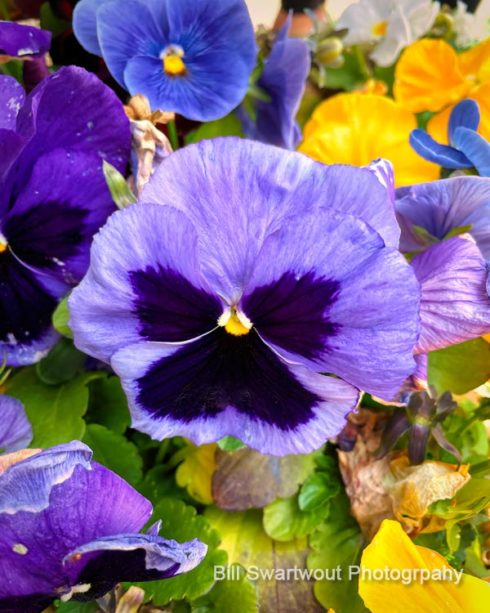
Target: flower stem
[[172, 135]]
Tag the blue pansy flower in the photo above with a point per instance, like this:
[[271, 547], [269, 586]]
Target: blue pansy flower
[[245, 273], [466, 149], [15, 429], [71, 529], [193, 58], [283, 80]]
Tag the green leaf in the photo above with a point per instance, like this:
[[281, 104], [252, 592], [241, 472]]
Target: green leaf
[[227, 126], [230, 443], [61, 316], [337, 542], [458, 231], [317, 490], [108, 404], [62, 363], [115, 452], [346, 77], [50, 22], [460, 368], [238, 595], [285, 521], [471, 499], [120, 191], [180, 522], [159, 483], [76, 607], [55, 412]]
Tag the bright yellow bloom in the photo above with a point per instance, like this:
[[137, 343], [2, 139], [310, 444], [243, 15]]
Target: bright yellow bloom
[[392, 548], [357, 128], [431, 75]]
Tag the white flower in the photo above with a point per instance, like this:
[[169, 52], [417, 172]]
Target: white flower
[[465, 25], [390, 24]]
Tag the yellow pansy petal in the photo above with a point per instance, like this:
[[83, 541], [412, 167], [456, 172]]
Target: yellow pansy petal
[[391, 548], [357, 128], [196, 471], [475, 63], [487, 338], [428, 77]]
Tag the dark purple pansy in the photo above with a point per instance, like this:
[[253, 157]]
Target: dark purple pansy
[[15, 429], [20, 41], [283, 80], [71, 529], [244, 274], [53, 197]]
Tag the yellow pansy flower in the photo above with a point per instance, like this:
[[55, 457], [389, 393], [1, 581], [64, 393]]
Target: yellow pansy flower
[[392, 550], [430, 75], [356, 128]]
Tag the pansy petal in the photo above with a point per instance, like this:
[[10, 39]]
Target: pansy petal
[[11, 144], [85, 24], [26, 333], [392, 549], [15, 429], [328, 306], [430, 150], [53, 221], [17, 40], [138, 289], [131, 557], [385, 173], [443, 206], [232, 228], [454, 306], [475, 148], [220, 385], [27, 485], [11, 100], [465, 114]]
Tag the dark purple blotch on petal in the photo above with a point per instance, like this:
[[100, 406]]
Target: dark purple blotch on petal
[[219, 371]]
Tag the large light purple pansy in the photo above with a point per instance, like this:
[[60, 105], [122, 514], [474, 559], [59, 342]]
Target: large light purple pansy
[[53, 197], [246, 272], [283, 80], [442, 207], [15, 429], [70, 528], [191, 58]]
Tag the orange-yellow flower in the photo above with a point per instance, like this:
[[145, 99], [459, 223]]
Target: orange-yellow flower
[[392, 549], [431, 76], [357, 128]]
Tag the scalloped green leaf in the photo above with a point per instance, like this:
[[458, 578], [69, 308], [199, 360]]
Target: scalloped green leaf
[[238, 595], [284, 520]]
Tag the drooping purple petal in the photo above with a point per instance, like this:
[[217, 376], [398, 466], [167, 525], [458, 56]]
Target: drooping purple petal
[[53, 221], [443, 206], [431, 150], [475, 148], [155, 287], [17, 40], [222, 385], [15, 429], [454, 306], [11, 100], [465, 114]]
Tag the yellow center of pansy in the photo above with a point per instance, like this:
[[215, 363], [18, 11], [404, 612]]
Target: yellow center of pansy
[[235, 323], [173, 64], [379, 29], [3, 244]]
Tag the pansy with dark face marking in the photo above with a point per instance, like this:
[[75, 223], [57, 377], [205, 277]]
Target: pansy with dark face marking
[[71, 529], [244, 274], [192, 58], [53, 197]]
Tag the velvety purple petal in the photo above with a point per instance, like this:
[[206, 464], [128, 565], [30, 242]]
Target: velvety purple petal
[[11, 100], [383, 170], [238, 192], [455, 306], [18, 40], [86, 502], [442, 206], [475, 148], [73, 110], [85, 24], [52, 223], [222, 385], [27, 302], [431, 150], [144, 282], [15, 429], [11, 144], [27, 485], [465, 114], [283, 80], [131, 557], [351, 294]]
